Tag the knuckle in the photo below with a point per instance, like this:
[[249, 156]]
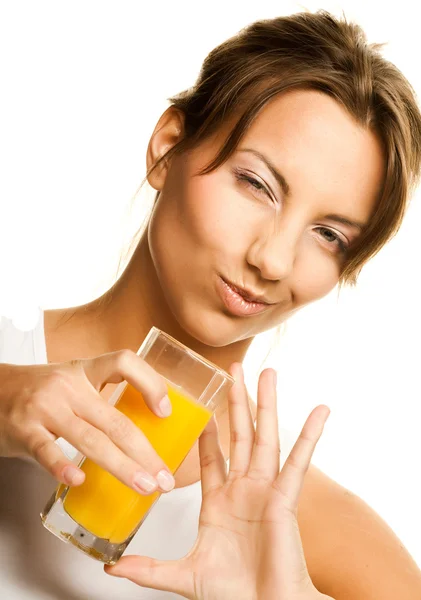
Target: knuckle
[[260, 475], [120, 427], [57, 381], [124, 358], [36, 447], [160, 386], [151, 461], [38, 407], [90, 438], [57, 468], [154, 384], [207, 460], [238, 437], [260, 441], [55, 378], [39, 399], [306, 436], [295, 463], [45, 398]]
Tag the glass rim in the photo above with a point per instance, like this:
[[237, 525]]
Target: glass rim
[[194, 354]]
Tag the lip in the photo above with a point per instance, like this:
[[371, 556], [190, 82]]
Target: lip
[[236, 303], [246, 294]]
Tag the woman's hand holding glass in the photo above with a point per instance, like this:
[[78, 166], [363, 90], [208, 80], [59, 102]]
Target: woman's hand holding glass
[[40, 403], [249, 543]]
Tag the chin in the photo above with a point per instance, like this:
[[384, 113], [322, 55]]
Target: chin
[[209, 327]]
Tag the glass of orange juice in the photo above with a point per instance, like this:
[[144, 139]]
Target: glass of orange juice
[[101, 516]]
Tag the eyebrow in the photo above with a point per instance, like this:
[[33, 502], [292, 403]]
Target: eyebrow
[[339, 219], [287, 190], [278, 176]]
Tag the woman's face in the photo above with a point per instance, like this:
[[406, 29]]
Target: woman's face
[[282, 237]]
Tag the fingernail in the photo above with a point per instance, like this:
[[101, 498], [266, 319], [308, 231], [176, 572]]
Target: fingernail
[[166, 481], [144, 482], [72, 475], [275, 377], [165, 407]]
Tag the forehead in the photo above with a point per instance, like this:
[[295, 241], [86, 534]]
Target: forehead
[[320, 149]]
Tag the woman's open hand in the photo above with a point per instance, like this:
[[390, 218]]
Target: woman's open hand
[[249, 544]]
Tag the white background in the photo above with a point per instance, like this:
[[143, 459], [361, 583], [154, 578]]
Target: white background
[[82, 86]]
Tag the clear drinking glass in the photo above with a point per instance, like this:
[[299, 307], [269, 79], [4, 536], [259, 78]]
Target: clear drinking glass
[[101, 516]]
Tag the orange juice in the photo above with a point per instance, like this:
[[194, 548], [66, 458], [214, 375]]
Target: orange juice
[[108, 508]]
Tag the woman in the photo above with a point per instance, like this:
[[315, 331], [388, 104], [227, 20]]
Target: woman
[[283, 170]]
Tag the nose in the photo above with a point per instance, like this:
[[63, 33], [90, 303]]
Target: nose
[[273, 253]]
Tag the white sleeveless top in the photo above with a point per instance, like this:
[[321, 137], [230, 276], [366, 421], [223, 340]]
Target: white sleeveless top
[[34, 564]]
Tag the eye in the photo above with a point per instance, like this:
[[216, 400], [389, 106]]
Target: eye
[[252, 183], [332, 238]]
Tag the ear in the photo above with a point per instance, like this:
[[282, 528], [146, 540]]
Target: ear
[[168, 131]]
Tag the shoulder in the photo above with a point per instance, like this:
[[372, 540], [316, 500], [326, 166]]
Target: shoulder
[[350, 551], [20, 344]]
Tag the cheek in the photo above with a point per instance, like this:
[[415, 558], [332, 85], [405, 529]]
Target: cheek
[[205, 221], [213, 215], [316, 273]]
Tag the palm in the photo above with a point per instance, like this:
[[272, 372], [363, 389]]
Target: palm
[[234, 538], [245, 527], [248, 544]]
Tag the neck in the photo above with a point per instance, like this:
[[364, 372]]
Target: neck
[[123, 316]]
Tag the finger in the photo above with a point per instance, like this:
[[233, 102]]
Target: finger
[[241, 425], [170, 576], [125, 365], [212, 461], [122, 431], [143, 475], [264, 462], [290, 480], [42, 448]]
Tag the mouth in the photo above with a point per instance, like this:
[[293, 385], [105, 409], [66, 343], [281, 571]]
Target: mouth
[[239, 302]]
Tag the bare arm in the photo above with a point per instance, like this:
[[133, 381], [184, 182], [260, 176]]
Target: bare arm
[[352, 554]]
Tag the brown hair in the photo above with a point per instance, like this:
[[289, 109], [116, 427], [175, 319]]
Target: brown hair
[[311, 51]]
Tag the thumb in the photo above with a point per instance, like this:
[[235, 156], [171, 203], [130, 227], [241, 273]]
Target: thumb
[[167, 575]]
